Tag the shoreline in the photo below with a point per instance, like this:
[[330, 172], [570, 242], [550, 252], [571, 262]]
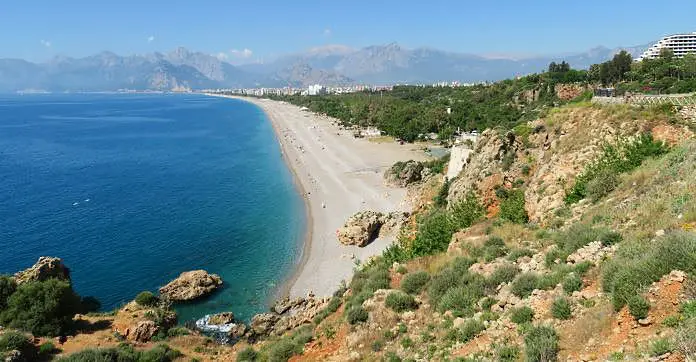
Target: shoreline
[[337, 175]]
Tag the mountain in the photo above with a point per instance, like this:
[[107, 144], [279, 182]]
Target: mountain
[[391, 63], [328, 65], [107, 71]]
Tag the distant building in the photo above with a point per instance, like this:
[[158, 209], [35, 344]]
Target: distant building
[[370, 132], [316, 89], [680, 44]]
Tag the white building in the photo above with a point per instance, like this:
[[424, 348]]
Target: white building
[[680, 44], [316, 89]]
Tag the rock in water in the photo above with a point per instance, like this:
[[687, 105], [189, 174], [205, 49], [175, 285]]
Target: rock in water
[[46, 268], [191, 285], [360, 229], [221, 318]]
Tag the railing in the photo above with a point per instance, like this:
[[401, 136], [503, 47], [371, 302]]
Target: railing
[[687, 99]]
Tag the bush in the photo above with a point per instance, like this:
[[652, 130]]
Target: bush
[[541, 344], [12, 340], [146, 299], [522, 315], [488, 302], [493, 248], [460, 300], [44, 308], [507, 353], [470, 329], [638, 307], [517, 253], [502, 274], [357, 314], [441, 197], [282, 350], [627, 274], [512, 207], [660, 346], [400, 301], [332, 307], [125, 353], [160, 353], [560, 309], [248, 354], [414, 283], [572, 283], [434, 234], [602, 184], [525, 284], [7, 287], [465, 213], [47, 349], [609, 238], [685, 338]]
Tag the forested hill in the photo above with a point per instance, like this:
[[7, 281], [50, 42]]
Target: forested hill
[[408, 112]]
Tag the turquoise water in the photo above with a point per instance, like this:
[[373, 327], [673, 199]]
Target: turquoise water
[[131, 190]]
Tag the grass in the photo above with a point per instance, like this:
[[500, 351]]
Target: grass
[[660, 346], [541, 344], [640, 264]]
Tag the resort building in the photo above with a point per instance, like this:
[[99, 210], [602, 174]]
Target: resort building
[[680, 44]]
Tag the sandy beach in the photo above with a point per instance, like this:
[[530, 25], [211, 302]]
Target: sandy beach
[[338, 175]]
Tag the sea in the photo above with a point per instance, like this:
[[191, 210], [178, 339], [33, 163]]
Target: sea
[[130, 190]]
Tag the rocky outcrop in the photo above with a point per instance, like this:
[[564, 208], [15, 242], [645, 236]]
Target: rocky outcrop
[[45, 268], [404, 173], [688, 113], [224, 323], [566, 92], [360, 229], [221, 318], [139, 324], [593, 252], [285, 315], [191, 285]]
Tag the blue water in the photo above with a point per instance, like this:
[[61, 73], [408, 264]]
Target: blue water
[[131, 190]]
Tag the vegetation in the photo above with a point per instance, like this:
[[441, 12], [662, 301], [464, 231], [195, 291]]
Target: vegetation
[[44, 308], [541, 344], [640, 264], [7, 287], [660, 346], [601, 176], [560, 309], [525, 284], [638, 307], [522, 315], [146, 299], [124, 353], [512, 207], [572, 283], [356, 314], [456, 289], [400, 302], [248, 354], [413, 283], [12, 340]]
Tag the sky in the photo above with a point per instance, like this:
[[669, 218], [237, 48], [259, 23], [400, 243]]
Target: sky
[[253, 31]]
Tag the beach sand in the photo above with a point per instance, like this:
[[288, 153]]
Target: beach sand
[[338, 176]]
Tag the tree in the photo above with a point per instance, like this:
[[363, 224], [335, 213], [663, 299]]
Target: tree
[[622, 64], [44, 308], [7, 287]]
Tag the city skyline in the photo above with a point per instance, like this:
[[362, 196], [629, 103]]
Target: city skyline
[[247, 33]]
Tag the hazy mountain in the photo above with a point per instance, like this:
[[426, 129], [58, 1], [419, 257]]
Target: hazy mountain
[[108, 71], [329, 65]]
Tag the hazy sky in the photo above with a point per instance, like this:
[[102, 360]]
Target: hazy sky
[[257, 29]]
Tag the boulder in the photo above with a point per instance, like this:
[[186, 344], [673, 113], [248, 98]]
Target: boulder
[[143, 331], [221, 318], [45, 268], [263, 323], [191, 285], [404, 173], [361, 228]]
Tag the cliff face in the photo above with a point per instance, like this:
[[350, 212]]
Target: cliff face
[[550, 152]]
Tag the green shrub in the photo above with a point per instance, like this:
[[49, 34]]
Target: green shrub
[[332, 307], [400, 301], [178, 331], [502, 274], [541, 344], [377, 345], [628, 273], [522, 315], [560, 309], [602, 184], [357, 314], [248, 354], [124, 353], [414, 283], [572, 283], [660, 346], [12, 340], [47, 349], [685, 338], [441, 197], [44, 308], [524, 284], [160, 353], [465, 213], [434, 233], [620, 158], [638, 307], [146, 299], [283, 350], [406, 342], [7, 287], [512, 207], [488, 302], [517, 253], [401, 270], [494, 247], [672, 321], [470, 329], [459, 300], [507, 353], [609, 238]]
